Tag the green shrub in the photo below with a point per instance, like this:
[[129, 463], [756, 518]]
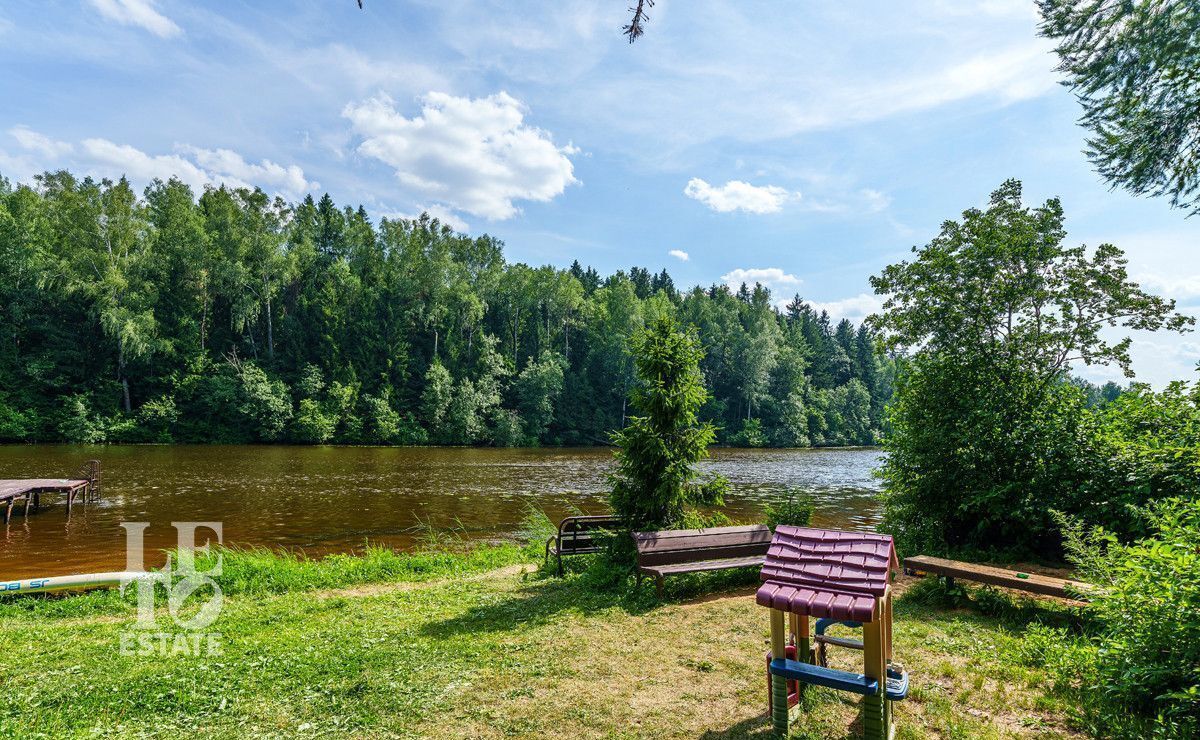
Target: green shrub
[[796, 510], [156, 419], [1139, 448], [15, 425], [265, 403], [507, 429], [77, 424], [1145, 680], [750, 435], [382, 422], [312, 425]]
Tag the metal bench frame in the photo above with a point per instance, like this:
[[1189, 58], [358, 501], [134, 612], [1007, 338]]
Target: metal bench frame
[[575, 536]]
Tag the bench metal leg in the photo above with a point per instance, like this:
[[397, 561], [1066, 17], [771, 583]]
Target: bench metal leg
[[658, 586], [8, 511], [28, 498]]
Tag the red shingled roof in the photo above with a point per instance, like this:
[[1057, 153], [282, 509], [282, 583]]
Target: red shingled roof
[[826, 572]]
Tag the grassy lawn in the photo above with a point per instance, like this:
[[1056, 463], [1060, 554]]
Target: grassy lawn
[[482, 646]]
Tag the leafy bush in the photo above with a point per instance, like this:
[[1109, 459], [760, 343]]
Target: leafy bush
[[265, 402], [975, 464], [15, 425], [1145, 678], [156, 419], [1140, 447], [795, 510], [382, 421], [77, 424], [507, 428], [312, 425], [750, 435]]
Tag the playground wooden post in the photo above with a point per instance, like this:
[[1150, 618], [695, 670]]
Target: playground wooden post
[[875, 666], [779, 698]]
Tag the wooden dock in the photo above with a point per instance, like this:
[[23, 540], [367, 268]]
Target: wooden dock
[[30, 490]]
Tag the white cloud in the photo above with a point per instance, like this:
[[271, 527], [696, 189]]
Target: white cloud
[[856, 308], [1180, 287], [141, 13], [737, 195], [800, 74], [441, 213], [204, 167], [1158, 358], [229, 164], [680, 255], [777, 280], [31, 140], [875, 200], [471, 154]]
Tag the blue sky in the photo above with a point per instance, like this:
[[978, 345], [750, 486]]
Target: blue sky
[[806, 145]]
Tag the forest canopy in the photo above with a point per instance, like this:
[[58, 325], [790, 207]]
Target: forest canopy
[[232, 316]]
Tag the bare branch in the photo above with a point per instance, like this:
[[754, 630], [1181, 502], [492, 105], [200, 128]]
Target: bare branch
[[636, 26]]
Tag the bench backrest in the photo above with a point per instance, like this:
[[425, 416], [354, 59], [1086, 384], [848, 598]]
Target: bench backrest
[[578, 532], [672, 546]]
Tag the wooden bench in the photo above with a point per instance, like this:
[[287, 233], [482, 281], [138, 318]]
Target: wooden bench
[[1021, 581], [673, 551], [577, 536]]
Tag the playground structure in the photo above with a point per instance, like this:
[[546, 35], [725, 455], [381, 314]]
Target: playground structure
[[833, 577]]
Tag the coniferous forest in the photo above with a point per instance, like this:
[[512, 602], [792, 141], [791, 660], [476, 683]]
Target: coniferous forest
[[236, 317]]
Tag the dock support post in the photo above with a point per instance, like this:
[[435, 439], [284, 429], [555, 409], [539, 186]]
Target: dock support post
[[779, 698]]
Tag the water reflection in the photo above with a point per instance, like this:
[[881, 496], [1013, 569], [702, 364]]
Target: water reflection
[[327, 499]]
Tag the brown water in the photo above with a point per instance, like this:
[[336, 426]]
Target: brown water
[[331, 499]]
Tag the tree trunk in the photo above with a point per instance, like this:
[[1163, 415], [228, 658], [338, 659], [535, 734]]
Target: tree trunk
[[435, 343], [121, 375], [270, 331]]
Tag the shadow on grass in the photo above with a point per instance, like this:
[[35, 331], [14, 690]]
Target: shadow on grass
[[757, 726], [1009, 612], [587, 588], [813, 721]]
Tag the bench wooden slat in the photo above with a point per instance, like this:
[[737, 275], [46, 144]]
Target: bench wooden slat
[[672, 539], [1031, 582], [676, 551], [703, 565], [690, 555]]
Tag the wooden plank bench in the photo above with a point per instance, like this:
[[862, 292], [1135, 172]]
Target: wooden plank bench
[[673, 551], [1021, 581], [577, 536]]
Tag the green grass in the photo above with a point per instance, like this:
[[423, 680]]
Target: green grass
[[464, 644]]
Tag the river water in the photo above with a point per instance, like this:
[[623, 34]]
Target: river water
[[337, 499]]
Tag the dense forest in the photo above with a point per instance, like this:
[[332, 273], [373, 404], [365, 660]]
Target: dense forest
[[237, 317]]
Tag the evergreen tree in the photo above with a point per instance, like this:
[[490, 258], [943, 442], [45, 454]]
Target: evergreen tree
[[656, 481]]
